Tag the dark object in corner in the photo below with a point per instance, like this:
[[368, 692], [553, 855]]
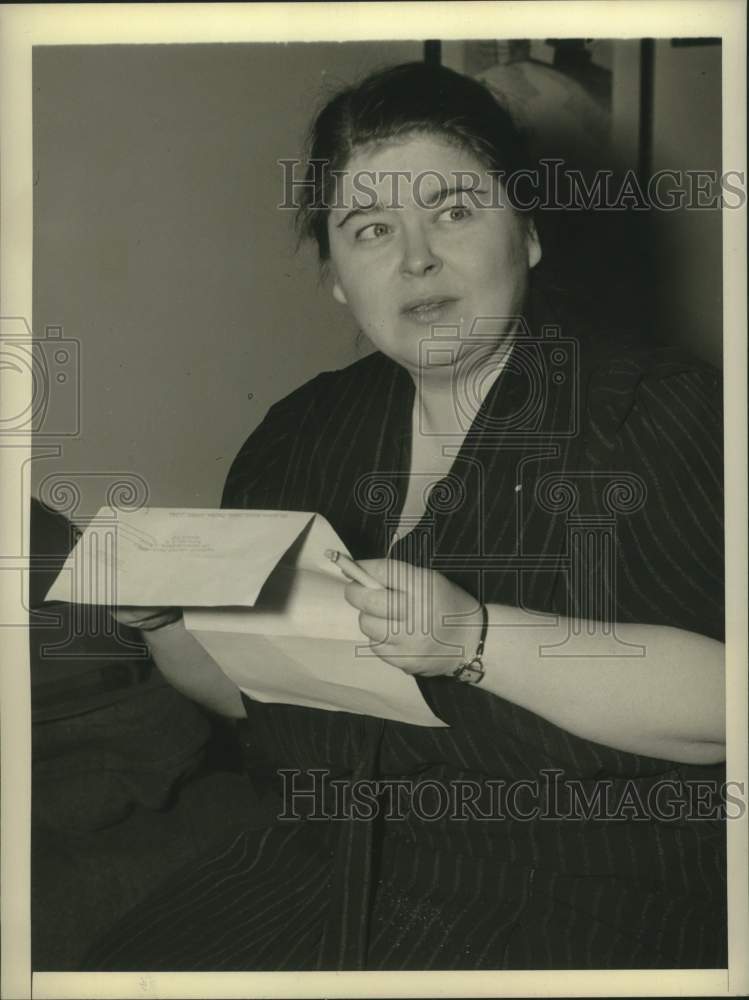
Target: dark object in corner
[[130, 780]]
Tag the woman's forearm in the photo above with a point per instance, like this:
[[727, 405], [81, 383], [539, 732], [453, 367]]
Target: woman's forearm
[[189, 668], [666, 702]]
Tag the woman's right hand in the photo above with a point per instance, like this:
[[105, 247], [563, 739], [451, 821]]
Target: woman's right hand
[[146, 619]]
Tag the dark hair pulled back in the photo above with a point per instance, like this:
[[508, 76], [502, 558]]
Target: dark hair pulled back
[[388, 105]]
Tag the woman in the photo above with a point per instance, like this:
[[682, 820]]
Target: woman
[[509, 521]]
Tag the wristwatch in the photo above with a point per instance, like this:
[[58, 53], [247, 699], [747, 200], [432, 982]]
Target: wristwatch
[[473, 671]]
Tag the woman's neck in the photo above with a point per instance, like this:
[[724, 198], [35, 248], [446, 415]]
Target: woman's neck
[[449, 397]]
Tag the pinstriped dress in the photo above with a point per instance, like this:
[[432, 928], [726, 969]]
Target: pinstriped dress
[[589, 484]]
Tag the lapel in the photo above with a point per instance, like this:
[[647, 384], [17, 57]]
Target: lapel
[[361, 483], [495, 524]]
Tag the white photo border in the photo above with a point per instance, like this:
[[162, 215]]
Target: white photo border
[[24, 26]]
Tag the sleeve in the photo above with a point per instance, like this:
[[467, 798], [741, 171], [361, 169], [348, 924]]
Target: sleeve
[[272, 469], [666, 499]]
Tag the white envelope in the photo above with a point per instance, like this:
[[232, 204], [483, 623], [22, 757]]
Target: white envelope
[[258, 593], [187, 557]]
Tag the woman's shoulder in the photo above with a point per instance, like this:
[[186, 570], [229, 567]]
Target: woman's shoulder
[[301, 424], [632, 358], [635, 381], [324, 389], [622, 368], [320, 402]]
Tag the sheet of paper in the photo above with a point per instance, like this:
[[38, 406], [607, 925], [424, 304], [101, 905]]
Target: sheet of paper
[[188, 556], [301, 645]]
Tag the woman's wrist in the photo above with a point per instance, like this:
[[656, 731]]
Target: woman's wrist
[[472, 671]]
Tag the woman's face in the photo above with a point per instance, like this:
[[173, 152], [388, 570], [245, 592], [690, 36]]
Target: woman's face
[[424, 255]]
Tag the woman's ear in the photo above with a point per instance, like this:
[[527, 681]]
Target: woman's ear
[[338, 293], [533, 244]]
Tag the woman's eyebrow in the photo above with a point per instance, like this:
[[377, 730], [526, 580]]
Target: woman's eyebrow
[[363, 210], [440, 195], [447, 192]]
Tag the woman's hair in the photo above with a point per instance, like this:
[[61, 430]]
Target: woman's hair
[[393, 103]]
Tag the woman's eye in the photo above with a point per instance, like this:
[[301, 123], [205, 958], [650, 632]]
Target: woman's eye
[[373, 231], [456, 214]]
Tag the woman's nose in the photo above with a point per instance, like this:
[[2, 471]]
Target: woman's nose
[[419, 257]]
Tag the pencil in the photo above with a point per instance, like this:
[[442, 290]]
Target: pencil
[[352, 570]]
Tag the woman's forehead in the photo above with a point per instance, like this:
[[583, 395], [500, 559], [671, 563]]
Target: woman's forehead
[[417, 168]]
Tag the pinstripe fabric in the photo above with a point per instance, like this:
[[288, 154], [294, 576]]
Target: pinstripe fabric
[[481, 893]]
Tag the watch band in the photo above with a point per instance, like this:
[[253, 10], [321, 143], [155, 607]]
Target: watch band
[[472, 672]]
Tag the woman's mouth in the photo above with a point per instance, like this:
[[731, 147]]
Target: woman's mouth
[[428, 310]]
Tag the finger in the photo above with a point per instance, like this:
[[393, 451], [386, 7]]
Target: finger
[[396, 575], [376, 568], [358, 597], [389, 605], [128, 613], [146, 619], [392, 573], [375, 629], [355, 594]]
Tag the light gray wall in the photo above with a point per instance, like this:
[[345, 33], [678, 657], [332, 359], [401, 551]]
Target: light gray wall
[[158, 246]]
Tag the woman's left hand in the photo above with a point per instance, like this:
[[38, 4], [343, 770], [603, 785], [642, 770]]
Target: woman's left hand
[[421, 622]]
